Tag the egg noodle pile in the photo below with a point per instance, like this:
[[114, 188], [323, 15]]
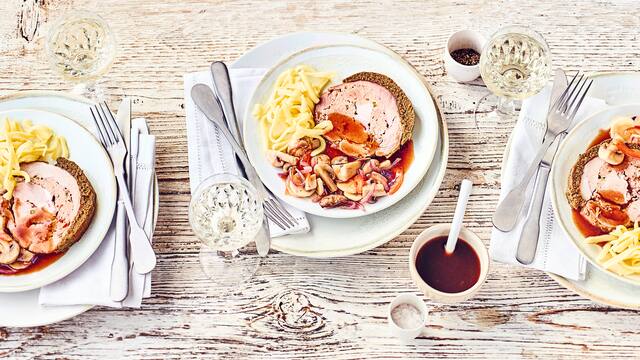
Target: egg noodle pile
[[288, 113], [621, 250], [22, 142]]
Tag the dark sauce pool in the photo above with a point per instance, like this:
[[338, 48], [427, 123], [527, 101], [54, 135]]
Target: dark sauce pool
[[38, 262], [449, 273]]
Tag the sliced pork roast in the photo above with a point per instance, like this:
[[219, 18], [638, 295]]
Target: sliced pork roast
[[371, 115], [53, 209], [606, 195]]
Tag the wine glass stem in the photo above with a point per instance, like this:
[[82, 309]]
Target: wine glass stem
[[505, 106]]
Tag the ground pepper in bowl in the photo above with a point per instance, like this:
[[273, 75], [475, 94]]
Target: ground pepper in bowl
[[468, 57]]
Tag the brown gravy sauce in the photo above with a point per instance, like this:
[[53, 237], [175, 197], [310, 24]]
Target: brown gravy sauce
[[450, 273], [39, 262]]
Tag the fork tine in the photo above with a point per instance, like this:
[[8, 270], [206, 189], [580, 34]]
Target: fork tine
[[273, 218], [560, 100], [107, 125], [268, 205], [584, 94], [110, 123], [95, 120], [284, 213], [569, 95]]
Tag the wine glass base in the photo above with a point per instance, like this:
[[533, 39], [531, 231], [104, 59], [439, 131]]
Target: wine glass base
[[227, 269]]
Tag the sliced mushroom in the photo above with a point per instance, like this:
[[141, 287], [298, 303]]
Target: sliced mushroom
[[9, 251], [320, 159], [354, 197], [320, 187], [371, 165], [325, 172], [295, 190], [330, 201], [610, 153], [348, 170], [310, 183], [286, 166], [278, 158], [300, 147], [348, 187], [385, 165], [378, 178], [378, 190], [339, 160], [23, 261]]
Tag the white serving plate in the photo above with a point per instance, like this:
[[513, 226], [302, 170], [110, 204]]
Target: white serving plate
[[21, 309], [341, 237], [573, 145], [85, 151], [346, 60], [616, 89]]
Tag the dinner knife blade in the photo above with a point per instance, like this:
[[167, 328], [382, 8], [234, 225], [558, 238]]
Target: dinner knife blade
[[508, 211], [124, 123]]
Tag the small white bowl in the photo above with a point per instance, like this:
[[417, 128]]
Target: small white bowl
[[464, 39], [410, 299], [440, 296]]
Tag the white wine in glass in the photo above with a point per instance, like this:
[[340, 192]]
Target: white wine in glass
[[81, 48], [225, 215], [515, 64]]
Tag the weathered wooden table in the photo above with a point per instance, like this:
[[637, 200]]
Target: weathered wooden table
[[518, 314]]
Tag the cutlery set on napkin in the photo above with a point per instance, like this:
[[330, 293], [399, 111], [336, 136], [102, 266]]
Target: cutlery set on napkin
[[215, 142], [109, 277], [525, 230]]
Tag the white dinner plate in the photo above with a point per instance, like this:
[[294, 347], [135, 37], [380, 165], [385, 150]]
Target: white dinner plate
[[343, 61], [615, 89], [85, 151], [576, 143], [342, 237]]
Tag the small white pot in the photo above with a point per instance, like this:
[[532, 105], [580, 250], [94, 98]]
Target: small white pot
[[465, 234], [403, 333], [464, 39]]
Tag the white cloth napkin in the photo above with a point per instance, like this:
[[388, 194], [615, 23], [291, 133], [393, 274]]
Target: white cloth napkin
[[90, 283], [555, 252], [209, 152]]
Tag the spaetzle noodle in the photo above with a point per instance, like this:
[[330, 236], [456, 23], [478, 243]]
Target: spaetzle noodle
[[287, 115], [620, 250], [22, 142]]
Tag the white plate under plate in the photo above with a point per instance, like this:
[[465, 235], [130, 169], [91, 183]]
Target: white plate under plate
[[568, 153], [21, 309], [343, 61], [616, 89], [341, 237], [85, 151]]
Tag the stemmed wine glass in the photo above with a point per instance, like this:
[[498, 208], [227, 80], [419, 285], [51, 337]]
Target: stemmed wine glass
[[225, 215], [81, 48], [515, 64]]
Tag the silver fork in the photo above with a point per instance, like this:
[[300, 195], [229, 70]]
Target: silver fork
[[565, 112], [144, 259], [223, 92], [507, 213]]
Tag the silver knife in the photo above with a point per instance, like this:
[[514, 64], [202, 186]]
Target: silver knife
[[528, 242], [224, 93], [205, 100], [508, 210], [119, 286]]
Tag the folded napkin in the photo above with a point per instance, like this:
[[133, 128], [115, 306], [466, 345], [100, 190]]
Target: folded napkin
[[90, 283], [555, 252], [209, 152]]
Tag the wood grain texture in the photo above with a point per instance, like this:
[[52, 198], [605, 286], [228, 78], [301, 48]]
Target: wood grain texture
[[335, 308]]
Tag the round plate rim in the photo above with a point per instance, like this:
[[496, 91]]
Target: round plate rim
[[298, 37], [101, 234], [429, 155], [568, 283], [73, 310]]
